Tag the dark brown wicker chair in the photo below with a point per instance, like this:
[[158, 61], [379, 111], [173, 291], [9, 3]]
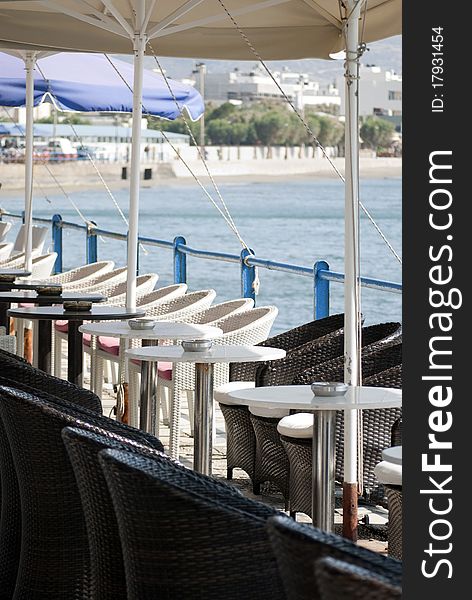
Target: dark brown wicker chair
[[18, 370], [43, 497], [10, 522], [107, 567], [376, 426], [394, 495], [297, 547], [240, 438], [186, 538], [272, 462], [338, 579]]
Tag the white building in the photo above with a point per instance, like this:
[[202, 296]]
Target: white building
[[380, 92], [256, 85]]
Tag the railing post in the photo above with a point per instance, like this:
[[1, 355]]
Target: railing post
[[321, 290], [92, 245], [180, 261], [248, 276], [57, 241]]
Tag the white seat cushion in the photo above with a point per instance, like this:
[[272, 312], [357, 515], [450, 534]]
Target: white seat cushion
[[270, 413], [388, 473], [221, 393], [299, 425]]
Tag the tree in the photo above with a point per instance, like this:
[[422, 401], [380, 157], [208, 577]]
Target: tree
[[269, 127], [331, 131], [376, 133], [219, 132]]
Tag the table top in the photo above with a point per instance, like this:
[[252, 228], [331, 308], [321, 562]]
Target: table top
[[393, 455], [25, 284], [163, 330], [300, 397], [15, 272], [35, 298], [216, 354], [56, 313]]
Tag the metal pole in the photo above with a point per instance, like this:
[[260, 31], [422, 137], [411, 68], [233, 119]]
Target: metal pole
[[324, 441], [180, 261], [139, 46], [203, 426], [57, 241], [351, 263], [321, 290], [30, 60], [147, 409], [248, 276], [202, 72], [92, 245]]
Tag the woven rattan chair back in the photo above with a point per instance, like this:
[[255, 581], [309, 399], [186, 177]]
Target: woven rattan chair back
[[84, 275], [215, 313], [185, 538], [298, 546], [103, 283], [338, 579], [54, 560]]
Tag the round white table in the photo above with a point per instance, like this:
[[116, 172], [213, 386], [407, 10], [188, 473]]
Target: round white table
[[300, 397], [163, 330], [204, 361], [393, 455]]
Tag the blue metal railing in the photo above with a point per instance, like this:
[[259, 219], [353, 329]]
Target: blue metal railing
[[248, 261]]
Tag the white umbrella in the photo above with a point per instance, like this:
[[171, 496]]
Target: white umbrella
[[278, 29]]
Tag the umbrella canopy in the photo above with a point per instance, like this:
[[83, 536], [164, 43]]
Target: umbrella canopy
[[88, 82], [279, 29]]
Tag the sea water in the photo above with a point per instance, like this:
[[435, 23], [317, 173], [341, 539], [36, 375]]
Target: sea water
[[297, 222]]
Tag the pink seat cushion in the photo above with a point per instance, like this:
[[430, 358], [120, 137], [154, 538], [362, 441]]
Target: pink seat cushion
[[110, 345], [62, 326], [86, 339], [25, 305], [165, 370]]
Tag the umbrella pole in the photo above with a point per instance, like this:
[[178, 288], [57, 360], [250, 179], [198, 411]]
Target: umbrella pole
[[139, 45], [351, 263], [30, 60]]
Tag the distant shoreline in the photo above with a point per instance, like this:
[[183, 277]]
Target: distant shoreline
[[72, 176]]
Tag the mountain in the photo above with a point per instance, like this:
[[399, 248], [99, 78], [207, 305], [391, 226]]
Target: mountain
[[386, 54]]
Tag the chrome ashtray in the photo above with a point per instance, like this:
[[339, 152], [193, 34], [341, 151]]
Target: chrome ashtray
[[49, 290], [329, 388], [197, 345], [72, 305], [4, 278], [141, 324]]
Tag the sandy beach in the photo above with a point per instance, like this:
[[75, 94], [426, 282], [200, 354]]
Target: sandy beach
[[83, 176]]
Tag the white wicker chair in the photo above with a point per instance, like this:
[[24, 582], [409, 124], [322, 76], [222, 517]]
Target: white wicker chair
[[18, 261], [5, 251], [39, 235], [82, 277], [99, 355], [7, 342], [180, 310], [245, 328], [105, 283], [5, 227], [224, 309], [144, 284]]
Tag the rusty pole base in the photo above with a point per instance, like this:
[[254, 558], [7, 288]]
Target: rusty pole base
[[28, 345], [122, 403], [350, 513]]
